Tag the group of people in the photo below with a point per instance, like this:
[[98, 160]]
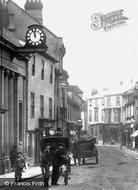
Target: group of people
[[54, 159], [18, 162]]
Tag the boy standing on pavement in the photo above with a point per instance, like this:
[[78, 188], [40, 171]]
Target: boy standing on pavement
[[19, 165]]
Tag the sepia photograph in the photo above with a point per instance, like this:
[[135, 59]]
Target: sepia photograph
[[68, 94]]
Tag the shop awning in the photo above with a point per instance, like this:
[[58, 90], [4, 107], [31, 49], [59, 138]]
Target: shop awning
[[134, 134]]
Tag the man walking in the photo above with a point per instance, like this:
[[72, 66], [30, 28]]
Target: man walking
[[45, 165], [56, 163], [13, 156]]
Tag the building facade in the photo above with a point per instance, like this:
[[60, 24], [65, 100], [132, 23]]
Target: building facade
[[70, 108], [104, 116], [13, 86], [43, 71], [130, 118], [74, 103]]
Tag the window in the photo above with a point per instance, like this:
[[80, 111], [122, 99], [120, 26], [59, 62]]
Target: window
[[33, 66], [32, 105], [50, 108], [136, 113], [63, 96], [102, 102], [118, 100], [41, 106], [95, 114], [92, 131], [90, 103], [108, 101], [42, 70], [51, 74], [96, 102], [102, 115], [109, 115], [117, 115], [90, 115], [105, 116]]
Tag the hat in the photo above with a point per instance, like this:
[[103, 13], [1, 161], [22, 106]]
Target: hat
[[19, 152]]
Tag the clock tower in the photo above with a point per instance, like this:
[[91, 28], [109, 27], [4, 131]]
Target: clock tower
[[34, 8]]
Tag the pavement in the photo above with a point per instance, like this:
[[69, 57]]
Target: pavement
[[128, 152], [26, 175], [36, 171]]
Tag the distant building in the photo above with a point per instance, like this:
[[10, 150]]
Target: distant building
[[70, 108], [104, 116], [74, 103], [130, 117]]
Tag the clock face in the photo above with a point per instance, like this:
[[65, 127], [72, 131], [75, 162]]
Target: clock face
[[35, 36]]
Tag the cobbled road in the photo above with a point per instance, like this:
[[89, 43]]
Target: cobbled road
[[115, 171]]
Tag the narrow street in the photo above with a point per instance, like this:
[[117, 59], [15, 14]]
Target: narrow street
[[115, 171]]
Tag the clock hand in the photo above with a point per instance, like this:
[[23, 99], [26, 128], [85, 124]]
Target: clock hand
[[35, 34]]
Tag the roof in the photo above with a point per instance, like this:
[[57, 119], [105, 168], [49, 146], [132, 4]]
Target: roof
[[54, 43], [75, 88]]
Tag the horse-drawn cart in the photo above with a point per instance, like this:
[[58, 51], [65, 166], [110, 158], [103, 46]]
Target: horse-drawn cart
[[87, 149]]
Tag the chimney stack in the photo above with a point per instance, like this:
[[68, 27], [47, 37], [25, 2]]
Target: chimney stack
[[34, 8]]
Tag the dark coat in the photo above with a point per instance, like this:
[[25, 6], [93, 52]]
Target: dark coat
[[13, 155], [45, 158], [59, 157]]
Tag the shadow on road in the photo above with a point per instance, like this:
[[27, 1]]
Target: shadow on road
[[122, 163], [93, 166]]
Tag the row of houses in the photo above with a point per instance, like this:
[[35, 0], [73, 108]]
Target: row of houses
[[35, 96], [114, 116]]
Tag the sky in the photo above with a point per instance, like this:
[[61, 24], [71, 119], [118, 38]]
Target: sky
[[94, 59]]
